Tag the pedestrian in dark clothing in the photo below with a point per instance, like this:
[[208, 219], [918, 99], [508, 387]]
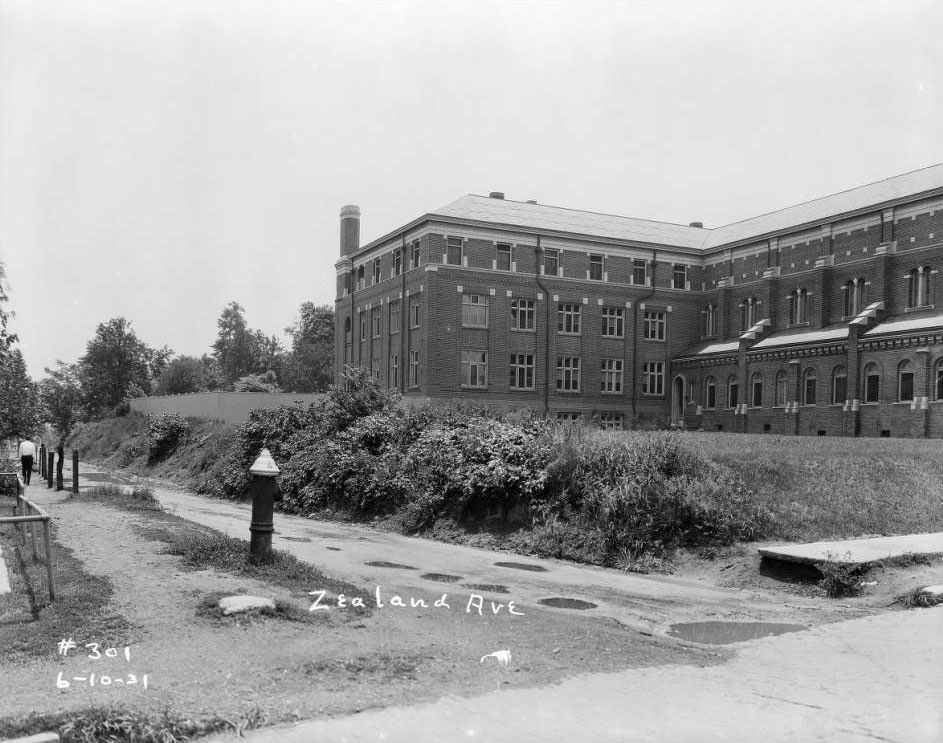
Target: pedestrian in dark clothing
[[27, 451]]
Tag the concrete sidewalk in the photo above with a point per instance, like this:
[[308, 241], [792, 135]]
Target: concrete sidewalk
[[858, 551], [878, 678]]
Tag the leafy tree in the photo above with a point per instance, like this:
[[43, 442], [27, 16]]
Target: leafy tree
[[309, 366], [268, 353], [212, 373], [61, 396], [19, 401], [234, 346], [115, 360], [7, 339], [182, 375]]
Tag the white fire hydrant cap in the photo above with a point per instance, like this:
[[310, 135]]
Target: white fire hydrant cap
[[264, 465]]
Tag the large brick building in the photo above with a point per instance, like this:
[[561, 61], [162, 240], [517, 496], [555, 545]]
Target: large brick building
[[821, 318]]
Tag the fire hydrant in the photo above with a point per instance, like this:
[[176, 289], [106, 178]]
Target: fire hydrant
[[264, 494]]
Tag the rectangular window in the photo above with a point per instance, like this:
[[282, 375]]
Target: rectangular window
[[361, 281], [939, 383], [363, 326], [872, 388], [679, 276], [840, 390], [710, 395], [523, 314], [613, 322], [376, 271], [733, 394], [568, 373], [394, 371], [503, 257], [522, 371], [551, 262], [397, 262], [638, 272], [375, 369], [474, 311], [596, 267], [453, 251], [610, 421], [565, 417], [906, 386], [568, 318], [416, 255], [414, 368], [395, 312], [809, 398], [375, 321], [474, 368], [610, 382], [414, 312], [653, 325], [757, 393], [653, 378]]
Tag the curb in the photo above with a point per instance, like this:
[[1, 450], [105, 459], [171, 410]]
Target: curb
[[38, 738]]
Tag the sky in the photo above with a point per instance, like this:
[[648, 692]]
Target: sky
[[158, 160]]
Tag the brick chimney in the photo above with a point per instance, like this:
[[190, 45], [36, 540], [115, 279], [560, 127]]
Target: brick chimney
[[350, 230]]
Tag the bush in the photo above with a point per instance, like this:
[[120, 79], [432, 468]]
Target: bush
[[840, 579], [164, 432]]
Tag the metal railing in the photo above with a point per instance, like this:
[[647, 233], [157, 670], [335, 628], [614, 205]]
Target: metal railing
[[29, 514]]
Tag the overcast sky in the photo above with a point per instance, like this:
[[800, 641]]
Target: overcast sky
[[159, 159]]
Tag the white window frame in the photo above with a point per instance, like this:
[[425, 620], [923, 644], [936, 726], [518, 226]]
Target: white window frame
[[475, 369], [474, 311], [611, 377], [569, 314], [653, 378], [526, 310], [613, 319], [522, 368], [655, 325], [568, 374]]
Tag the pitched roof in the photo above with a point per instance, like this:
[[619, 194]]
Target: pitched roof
[[907, 323], [541, 216], [791, 337]]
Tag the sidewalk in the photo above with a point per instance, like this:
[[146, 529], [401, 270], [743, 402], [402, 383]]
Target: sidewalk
[[878, 678]]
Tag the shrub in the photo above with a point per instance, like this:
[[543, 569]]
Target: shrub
[[840, 579], [165, 431]]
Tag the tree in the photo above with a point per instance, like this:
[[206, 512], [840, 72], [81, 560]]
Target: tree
[[309, 366], [19, 401], [7, 339], [233, 348], [115, 363], [182, 375], [61, 396], [266, 382]]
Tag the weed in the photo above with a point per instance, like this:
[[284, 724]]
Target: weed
[[919, 597], [841, 579], [139, 498]]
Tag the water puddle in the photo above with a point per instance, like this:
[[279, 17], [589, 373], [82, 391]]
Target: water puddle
[[441, 577], [522, 566], [488, 587], [559, 602], [297, 539], [384, 564], [724, 633], [333, 549]]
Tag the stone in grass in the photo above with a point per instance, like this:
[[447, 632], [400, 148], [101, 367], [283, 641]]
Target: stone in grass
[[238, 604], [927, 596]]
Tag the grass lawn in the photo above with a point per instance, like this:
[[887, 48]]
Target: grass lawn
[[822, 487]]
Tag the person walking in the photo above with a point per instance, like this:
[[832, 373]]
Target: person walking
[[27, 451]]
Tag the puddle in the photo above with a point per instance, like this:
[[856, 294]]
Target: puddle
[[101, 477], [723, 633], [441, 577], [297, 539], [489, 587], [333, 549], [384, 564], [564, 603], [522, 566]]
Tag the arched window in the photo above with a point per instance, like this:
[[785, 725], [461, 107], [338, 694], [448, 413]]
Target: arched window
[[748, 313], [348, 340], [853, 297], [839, 385], [905, 381], [872, 383], [938, 379], [710, 320], [798, 306], [919, 289], [808, 387], [756, 390], [361, 281], [710, 393], [781, 389], [733, 391]]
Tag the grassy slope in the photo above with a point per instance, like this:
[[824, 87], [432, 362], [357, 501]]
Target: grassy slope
[[816, 487]]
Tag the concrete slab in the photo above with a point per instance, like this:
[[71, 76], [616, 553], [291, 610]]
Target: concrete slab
[[857, 551], [4, 576]]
